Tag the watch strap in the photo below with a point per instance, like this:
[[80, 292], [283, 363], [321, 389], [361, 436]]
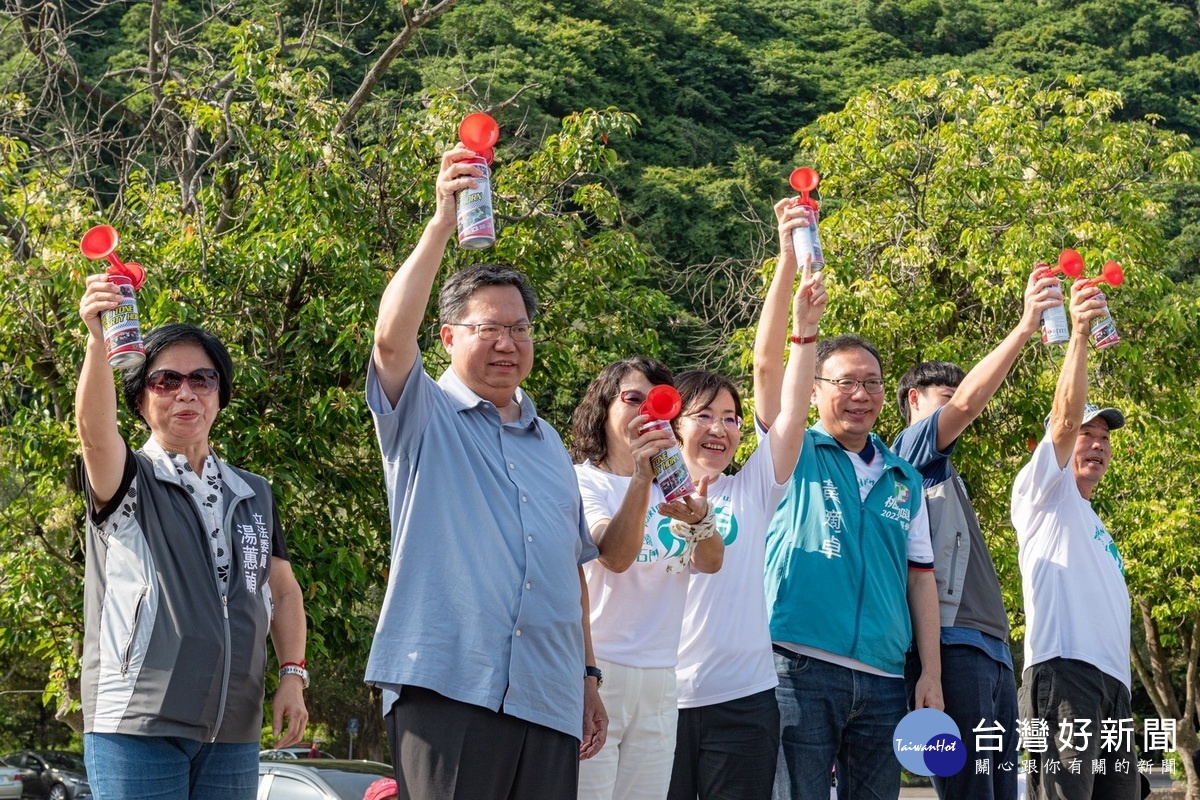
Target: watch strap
[[294, 669], [594, 672]]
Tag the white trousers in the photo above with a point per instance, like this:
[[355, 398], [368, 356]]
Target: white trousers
[[635, 762]]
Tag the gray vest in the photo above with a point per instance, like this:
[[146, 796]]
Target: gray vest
[[968, 589], [164, 654]]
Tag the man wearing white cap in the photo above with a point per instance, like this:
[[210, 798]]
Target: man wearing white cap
[[1076, 604]]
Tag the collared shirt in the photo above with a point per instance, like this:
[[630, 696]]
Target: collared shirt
[[209, 493], [483, 598]]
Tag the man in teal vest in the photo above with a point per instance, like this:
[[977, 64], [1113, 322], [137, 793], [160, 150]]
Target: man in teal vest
[[849, 581]]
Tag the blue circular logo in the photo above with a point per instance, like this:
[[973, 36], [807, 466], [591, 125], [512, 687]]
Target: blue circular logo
[[928, 742]]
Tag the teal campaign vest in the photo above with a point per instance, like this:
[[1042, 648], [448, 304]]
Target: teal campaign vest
[[837, 567]]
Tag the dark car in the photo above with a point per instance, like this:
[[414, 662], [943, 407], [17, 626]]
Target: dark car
[[53, 774], [318, 779]]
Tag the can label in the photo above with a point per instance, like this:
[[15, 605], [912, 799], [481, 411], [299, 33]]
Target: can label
[[670, 472], [122, 330], [1054, 325], [476, 224], [1104, 329], [807, 243]]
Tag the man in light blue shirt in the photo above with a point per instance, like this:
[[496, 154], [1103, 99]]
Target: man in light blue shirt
[[482, 641]]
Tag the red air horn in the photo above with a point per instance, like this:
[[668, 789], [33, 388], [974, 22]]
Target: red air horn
[[100, 242], [1070, 263], [662, 402], [479, 132], [1111, 273], [806, 241]]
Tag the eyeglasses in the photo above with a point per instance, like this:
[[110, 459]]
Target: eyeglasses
[[490, 331], [707, 420], [201, 381], [632, 397], [850, 386]]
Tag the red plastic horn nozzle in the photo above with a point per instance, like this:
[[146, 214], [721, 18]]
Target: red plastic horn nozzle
[[804, 179], [1070, 262], [1112, 274], [662, 402], [99, 243], [479, 132]]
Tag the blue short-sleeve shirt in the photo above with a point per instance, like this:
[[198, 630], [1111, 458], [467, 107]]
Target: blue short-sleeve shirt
[[483, 596]]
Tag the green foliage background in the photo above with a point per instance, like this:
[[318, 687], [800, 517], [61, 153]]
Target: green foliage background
[[643, 146]]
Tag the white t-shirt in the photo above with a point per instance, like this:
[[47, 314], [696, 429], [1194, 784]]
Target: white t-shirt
[[918, 550], [636, 613], [1072, 576], [725, 651]]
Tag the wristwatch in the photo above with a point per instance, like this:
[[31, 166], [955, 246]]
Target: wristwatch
[[292, 668], [594, 672]]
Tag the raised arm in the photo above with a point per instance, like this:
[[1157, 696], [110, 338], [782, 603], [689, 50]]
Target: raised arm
[[402, 308], [787, 434], [1042, 291], [1070, 394], [773, 321], [96, 397]]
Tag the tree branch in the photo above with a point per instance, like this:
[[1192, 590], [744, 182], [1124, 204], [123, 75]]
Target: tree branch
[[413, 22]]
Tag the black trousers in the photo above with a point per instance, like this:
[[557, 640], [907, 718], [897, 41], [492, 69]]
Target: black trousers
[[446, 750], [727, 751], [1064, 690]]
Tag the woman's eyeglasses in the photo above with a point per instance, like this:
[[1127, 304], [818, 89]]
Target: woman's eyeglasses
[[201, 381], [707, 420]]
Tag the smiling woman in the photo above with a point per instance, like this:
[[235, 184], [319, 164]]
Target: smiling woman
[[173, 527]]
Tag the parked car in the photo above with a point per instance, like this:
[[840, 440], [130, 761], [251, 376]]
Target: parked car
[[10, 783], [318, 779], [52, 774], [301, 750]]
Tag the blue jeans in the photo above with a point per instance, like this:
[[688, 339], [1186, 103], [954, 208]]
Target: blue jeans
[[977, 687], [831, 714], [124, 767]]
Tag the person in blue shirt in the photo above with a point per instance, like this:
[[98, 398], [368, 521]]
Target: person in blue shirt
[[938, 401], [482, 648]]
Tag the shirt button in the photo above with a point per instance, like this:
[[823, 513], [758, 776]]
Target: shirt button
[[512, 466], [518, 631], [530, 538], [528, 585], [524, 499]]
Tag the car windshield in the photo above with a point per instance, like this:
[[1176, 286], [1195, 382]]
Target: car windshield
[[349, 785], [66, 761], [349, 779]]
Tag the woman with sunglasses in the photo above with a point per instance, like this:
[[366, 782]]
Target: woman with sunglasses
[[728, 725], [638, 584], [186, 574]]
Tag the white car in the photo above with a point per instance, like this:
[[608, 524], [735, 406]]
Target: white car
[[318, 778], [10, 784]]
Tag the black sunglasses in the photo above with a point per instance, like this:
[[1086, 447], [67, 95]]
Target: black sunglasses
[[202, 381]]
